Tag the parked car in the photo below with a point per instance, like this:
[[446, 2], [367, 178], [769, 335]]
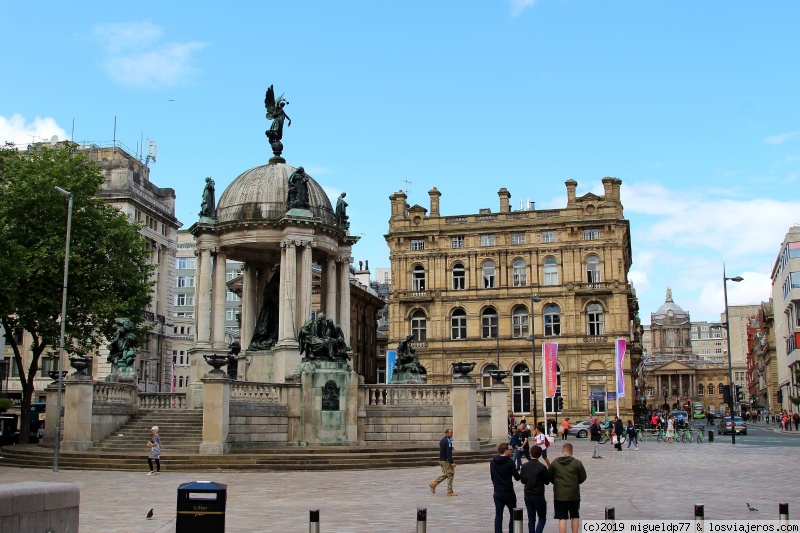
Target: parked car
[[580, 429], [724, 426]]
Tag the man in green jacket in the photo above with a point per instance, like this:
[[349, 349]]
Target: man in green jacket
[[566, 475]]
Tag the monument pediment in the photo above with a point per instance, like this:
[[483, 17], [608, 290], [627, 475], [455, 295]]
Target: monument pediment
[[674, 366]]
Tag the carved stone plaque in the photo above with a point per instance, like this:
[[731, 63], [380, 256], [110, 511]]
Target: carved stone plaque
[[330, 396]]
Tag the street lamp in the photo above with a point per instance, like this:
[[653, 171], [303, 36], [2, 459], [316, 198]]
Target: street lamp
[[63, 326], [534, 299], [731, 392]]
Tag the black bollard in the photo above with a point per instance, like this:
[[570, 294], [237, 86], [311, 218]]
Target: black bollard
[[313, 521], [517, 520], [711, 436], [422, 520], [699, 512], [783, 512], [610, 513]]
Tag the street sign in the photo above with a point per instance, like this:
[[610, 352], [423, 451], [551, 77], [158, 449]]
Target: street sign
[[611, 396]]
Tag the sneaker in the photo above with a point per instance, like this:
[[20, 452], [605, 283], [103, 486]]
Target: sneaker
[[636, 449], [151, 473], [451, 493]]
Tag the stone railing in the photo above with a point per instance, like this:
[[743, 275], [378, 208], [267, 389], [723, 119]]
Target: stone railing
[[404, 395], [113, 393], [162, 400], [268, 393]]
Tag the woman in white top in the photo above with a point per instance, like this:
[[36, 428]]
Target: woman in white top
[[670, 429]]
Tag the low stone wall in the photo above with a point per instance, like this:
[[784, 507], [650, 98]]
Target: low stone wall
[[406, 424], [39, 507], [113, 405], [485, 423], [254, 425]]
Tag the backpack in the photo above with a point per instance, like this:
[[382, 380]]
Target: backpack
[[546, 442]]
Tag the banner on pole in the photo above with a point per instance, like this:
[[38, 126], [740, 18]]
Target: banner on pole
[[391, 357], [550, 368], [621, 346]]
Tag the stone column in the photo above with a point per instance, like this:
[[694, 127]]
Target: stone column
[[463, 398], [498, 403], [330, 289], [305, 281], [202, 297], [78, 399], [288, 298], [219, 291], [50, 418], [344, 296], [249, 300], [216, 417]]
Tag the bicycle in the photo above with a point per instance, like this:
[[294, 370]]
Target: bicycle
[[606, 435], [661, 435], [700, 435]]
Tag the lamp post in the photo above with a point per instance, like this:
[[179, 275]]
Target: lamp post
[[63, 326], [534, 299], [731, 392]]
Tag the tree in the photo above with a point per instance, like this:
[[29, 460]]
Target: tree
[[109, 275]]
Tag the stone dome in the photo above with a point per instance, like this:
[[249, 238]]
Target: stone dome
[[260, 194], [670, 309]]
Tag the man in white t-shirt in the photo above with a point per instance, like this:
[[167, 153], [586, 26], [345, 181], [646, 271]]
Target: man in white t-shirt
[[541, 441]]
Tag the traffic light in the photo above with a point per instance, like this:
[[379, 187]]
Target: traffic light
[[739, 393], [559, 403], [726, 394]]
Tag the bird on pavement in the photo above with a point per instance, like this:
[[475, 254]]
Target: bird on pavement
[[751, 508], [150, 514]]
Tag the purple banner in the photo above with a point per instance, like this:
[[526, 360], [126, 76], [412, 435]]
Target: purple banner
[[621, 346]]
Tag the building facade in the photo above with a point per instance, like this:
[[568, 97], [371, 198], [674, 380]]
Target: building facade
[[786, 303], [474, 287]]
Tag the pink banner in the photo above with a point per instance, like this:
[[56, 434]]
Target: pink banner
[[550, 368], [621, 346]]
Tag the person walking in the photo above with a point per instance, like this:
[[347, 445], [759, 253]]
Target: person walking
[[594, 432], [619, 430], [565, 427], [515, 442], [447, 464], [566, 474], [796, 420], [534, 476], [526, 439], [632, 439], [542, 443], [670, 429], [155, 452], [503, 474]]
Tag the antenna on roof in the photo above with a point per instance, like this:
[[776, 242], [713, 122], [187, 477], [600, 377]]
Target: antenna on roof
[[407, 190], [152, 152]]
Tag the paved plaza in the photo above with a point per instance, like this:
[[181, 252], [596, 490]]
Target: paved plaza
[[658, 481]]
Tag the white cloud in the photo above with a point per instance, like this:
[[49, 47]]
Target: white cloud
[[135, 55], [518, 6], [781, 137], [20, 132]]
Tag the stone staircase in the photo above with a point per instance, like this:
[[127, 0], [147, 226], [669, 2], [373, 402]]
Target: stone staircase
[[181, 432]]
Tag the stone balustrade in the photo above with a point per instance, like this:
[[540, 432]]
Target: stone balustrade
[[265, 393], [405, 395], [113, 393], [162, 400]]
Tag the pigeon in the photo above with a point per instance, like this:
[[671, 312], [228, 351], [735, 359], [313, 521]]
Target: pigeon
[[751, 508], [150, 514]]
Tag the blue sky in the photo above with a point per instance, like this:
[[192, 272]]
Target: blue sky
[[692, 104]]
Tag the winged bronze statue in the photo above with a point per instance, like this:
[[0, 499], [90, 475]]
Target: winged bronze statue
[[275, 113]]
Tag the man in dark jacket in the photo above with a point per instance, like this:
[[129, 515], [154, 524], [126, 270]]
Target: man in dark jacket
[[566, 474], [594, 431], [619, 429], [515, 443], [534, 476], [447, 464], [503, 474]]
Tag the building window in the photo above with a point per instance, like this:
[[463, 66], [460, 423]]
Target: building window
[[487, 240], [231, 274], [419, 326], [230, 314], [488, 275], [519, 322], [185, 281], [418, 278], [457, 241], [489, 323], [593, 269], [459, 277], [711, 389], [700, 389], [458, 325], [594, 320], [550, 271], [519, 276], [47, 366], [548, 236], [591, 234], [552, 320], [719, 389], [486, 376], [231, 297], [417, 244], [184, 299], [19, 336], [597, 394], [518, 237], [549, 403], [520, 389], [186, 263]]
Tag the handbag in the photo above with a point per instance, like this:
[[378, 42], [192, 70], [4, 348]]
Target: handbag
[[613, 439]]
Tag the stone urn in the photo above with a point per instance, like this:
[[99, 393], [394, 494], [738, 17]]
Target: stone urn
[[217, 361], [81, 364], [463, 368], [498, 375]]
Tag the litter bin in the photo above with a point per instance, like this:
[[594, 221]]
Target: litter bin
[[201, 507], [711, 436]]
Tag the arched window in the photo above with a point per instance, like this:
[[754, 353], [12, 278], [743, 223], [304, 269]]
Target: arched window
[[486, 378], [489, 323], [180, 381], [458, 325], [549, 403], [419, 326], [711, 389], [519, 322], [719, 389], [593, 269], [700, 389], [418, 278], [459, 277], [552, 320], [595, 320], [520, 389], [488, 275], [550, 271], [519, 276]]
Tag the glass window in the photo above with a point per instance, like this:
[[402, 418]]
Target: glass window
[[185, 281], [550, 271], [489, 323], [184, 299], [552, 320], [593, 269], [595, 320], [231, 297], [458, 325], [701, 389], [418, 278], [457, 241], [591, 234], [519, 322], [486, 378], [519, 275], [549, 404], [518, 238], [598, 399], [488, 275], [711, 389], [417, 244], [794, 250], [419, 326], [520, 389], [459, 277], [47, 365], [548, 236], [719, 389], [230, 314], [487, 240], [230, 274], [186, 263]]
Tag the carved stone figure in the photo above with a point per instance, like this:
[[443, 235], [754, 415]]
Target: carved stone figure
[[265, 334], [298, 190], [122, 348], [208, 205], [277, 115], [342, 220], [320, 338], [406, 367]]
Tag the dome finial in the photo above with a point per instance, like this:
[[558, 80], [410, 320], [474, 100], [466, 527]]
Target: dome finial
[[669, 295]]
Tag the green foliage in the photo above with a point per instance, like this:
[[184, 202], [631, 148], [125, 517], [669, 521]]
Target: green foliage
[[5, 403]]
